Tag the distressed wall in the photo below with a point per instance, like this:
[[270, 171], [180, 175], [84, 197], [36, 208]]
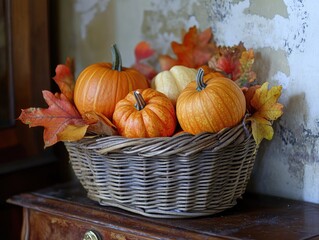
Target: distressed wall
[[283, 34]]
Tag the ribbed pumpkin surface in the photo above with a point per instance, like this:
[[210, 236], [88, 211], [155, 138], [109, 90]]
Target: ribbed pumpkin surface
[[220, 104], [98, 87], [145, 113]]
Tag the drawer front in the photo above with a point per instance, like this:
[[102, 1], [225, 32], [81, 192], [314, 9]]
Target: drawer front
[[39, 225]]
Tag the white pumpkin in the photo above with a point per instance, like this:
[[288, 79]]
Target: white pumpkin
[[172, 82]]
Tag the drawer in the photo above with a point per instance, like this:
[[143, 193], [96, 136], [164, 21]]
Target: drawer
[[39, 225]]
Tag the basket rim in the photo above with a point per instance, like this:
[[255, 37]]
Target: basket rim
[[183, 141]]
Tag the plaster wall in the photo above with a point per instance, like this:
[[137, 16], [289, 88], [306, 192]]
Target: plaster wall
[[284, 35]]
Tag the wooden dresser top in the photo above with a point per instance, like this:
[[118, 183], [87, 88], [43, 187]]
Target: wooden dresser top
[[254, 217]]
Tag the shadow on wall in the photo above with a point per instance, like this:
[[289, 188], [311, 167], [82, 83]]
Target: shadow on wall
[[293, 157], [261, 67]]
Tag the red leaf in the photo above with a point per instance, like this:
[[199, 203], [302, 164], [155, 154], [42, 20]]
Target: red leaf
[[236, 62], [148, 71], [60, 114], [64, 78], [143, 50]]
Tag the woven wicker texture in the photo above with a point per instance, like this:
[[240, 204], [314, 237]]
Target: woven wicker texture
[[180, 176]]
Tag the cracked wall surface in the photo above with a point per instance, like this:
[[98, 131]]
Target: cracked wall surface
[[283, 34]]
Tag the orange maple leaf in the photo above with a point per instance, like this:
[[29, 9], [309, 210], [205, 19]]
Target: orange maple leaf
[[60, 114], [195, 50], [64, 78], [267, 109]]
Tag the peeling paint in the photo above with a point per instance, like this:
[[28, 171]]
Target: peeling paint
[[218, 10], [268, 62], [300, 16], [278, 32], [267, 9], [88, 10]]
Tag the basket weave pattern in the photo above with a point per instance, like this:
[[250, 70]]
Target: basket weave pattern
[[179, 176]]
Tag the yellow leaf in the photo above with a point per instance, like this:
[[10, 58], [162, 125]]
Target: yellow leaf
[[265, 102], [72, 133], [267, 110], [246, 62], [261, 128]]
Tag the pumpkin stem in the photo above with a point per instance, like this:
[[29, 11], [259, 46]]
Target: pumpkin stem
[[140, 102], [200, 80], [116, 58]]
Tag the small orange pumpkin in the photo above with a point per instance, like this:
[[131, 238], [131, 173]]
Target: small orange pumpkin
[[101, 85], [210, 106], [145, 113]]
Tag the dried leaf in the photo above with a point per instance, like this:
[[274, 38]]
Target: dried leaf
[[64, 78], [147, 70], [249, 94], [143, 52], [236, 62], [246, 63], [261, 129], [195, 50], [73, 133], [99, 124], [55, 119], [267, 109], [266, 102]]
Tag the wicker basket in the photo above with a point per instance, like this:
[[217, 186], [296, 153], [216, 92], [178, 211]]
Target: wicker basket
[[179, 176]]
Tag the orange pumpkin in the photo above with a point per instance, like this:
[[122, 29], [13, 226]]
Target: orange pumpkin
[[101, 85], [210, 106], [210, 73], [145, 113]]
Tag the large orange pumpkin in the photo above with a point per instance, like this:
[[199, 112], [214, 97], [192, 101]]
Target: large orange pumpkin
[[211, 105], [211, 73], [145, 113], [101, 85]]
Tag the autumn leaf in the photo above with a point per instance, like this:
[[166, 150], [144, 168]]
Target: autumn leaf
[[73, 133], [236, 62], [246, 63], [261, 128], [249, 93], [227, 60], [64, 78], [148, 71], [55, 119], [267, 109], [195, 50], [143, 52], [99, 124]]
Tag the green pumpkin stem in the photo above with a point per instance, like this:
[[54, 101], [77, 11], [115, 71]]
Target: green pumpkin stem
[[140, 102], [116, 58], [200, 80]]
